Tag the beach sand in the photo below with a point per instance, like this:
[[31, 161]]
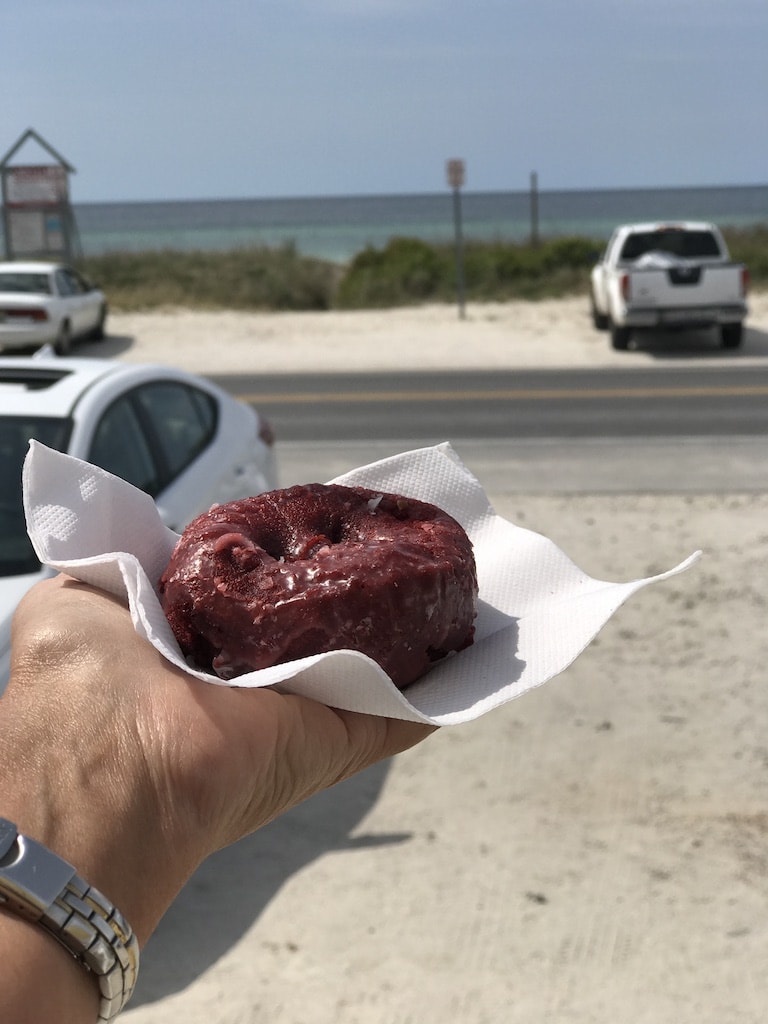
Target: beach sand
[[595, 852], [492, 336]]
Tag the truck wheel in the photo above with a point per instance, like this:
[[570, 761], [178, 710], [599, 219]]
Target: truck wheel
[[620, 338], [731, 335], [600, 320]]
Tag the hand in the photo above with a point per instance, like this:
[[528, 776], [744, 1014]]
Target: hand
[[134, 771]]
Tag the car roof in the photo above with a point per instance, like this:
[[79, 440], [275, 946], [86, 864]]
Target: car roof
[[32, 266], [49, 386]]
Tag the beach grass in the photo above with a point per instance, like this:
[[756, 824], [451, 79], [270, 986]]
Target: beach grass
[[407, 271], [246, 279]]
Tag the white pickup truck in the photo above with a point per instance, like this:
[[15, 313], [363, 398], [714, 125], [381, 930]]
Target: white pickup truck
[[663, 277]]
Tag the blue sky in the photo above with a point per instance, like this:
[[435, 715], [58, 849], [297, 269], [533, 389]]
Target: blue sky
[[179, 99]]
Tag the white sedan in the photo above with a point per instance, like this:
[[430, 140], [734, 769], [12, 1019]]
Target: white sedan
[[176, 436], [48, 303]]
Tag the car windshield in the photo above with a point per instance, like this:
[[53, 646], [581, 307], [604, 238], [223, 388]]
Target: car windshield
[[687, 244], [17, 555], [24, 283]]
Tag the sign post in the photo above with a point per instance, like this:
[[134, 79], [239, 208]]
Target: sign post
[[456, 174]]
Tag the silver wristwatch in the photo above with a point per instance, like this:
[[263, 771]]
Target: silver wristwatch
[[42, 888]]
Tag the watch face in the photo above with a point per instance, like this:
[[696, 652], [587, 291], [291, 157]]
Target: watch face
[[8, 835]]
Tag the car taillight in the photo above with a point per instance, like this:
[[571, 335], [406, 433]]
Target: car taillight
[[266, 433], [36, 314], [744, 281], [625, 287]]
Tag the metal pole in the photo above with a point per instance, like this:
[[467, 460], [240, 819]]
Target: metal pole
[[460, 282], [455, 170], [534, 208]]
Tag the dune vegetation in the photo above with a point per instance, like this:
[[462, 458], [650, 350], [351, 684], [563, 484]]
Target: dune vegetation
[[407, 271]]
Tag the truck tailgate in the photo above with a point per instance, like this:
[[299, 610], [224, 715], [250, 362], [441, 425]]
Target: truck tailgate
[[686, 285]]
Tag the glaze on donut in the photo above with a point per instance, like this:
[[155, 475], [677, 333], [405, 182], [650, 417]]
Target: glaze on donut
[[317, 568]]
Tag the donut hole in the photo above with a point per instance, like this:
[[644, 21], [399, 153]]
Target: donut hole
[[337, 532], [320, 535], [272, 543]]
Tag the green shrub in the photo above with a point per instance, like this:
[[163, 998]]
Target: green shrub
[[506, 271], [406, 271], [750, 246]]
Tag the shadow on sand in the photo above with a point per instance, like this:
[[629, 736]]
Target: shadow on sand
[[110, 347], [703, 344], [229, 892], [113, 346]]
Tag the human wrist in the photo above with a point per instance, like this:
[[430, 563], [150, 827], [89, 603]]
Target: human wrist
[[76, 806], [41, 982], [41, 888]]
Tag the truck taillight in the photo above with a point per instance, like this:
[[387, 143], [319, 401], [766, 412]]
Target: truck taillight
[[625, 287], [744, 280]]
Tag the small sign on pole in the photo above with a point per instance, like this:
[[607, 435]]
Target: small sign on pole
[[455, 173], [455, 170]]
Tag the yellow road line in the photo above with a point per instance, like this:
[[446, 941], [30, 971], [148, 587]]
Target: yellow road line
[[504, 394]]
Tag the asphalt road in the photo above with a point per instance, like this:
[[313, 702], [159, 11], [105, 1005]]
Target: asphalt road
[[605, 403], [662, 429]]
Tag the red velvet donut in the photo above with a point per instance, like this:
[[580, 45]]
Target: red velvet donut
[[317, 568]]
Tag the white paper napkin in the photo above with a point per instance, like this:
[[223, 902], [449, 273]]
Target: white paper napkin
[[537, 610]]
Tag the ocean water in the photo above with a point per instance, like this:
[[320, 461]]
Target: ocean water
[[336, 228]]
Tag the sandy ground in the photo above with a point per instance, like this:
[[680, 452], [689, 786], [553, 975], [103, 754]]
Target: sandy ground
[[515, 334], [593, 853]]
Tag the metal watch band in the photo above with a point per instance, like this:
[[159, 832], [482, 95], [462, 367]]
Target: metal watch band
[[39, 886]]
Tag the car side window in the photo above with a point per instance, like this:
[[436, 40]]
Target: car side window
[[62, 283], [182, 418], [77, 283], [120, 446]]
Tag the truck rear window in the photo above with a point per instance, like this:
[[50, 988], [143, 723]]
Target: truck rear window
[[687, 244]]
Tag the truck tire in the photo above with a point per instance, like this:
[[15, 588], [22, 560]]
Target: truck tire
[[731, 335], [620, 338]]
